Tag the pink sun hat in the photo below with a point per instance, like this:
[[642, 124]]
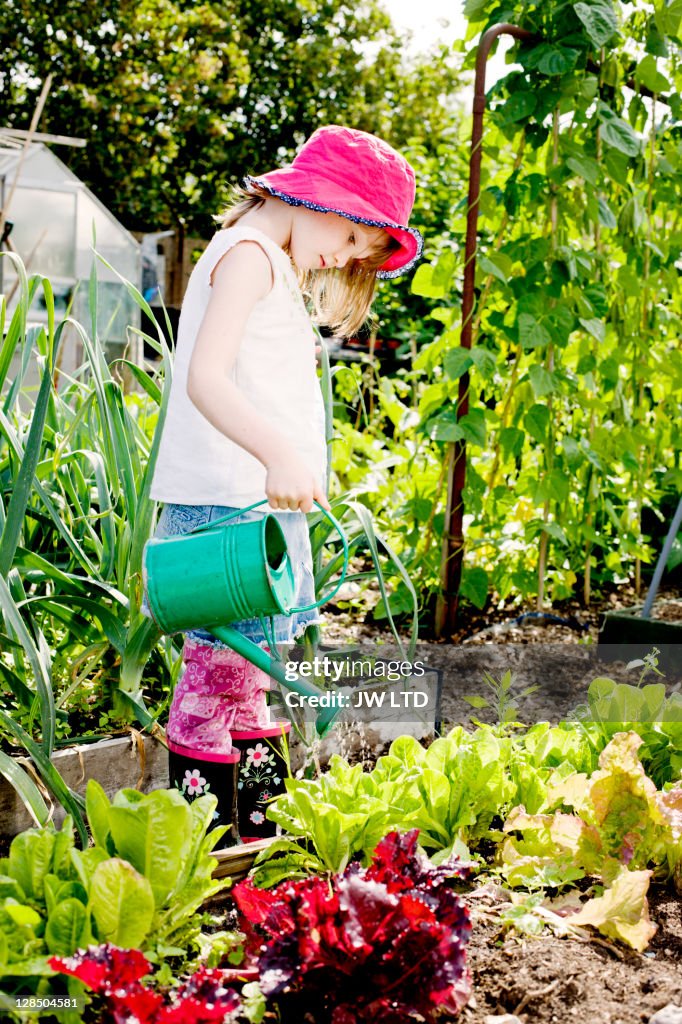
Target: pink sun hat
[[358, 176]]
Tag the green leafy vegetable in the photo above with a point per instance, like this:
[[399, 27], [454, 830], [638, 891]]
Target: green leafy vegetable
[[140, 885]]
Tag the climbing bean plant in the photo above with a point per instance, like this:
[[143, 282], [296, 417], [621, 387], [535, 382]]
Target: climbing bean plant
[[575, 393]]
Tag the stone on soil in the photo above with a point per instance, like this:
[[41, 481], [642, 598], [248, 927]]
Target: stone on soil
[[670, 1014]]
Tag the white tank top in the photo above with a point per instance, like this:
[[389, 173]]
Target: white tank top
[[275, 369]]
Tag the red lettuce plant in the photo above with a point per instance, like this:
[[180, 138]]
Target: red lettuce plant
[[115, 974], [383, 944]]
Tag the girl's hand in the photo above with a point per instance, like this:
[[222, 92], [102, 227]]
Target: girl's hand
[[289, 484]]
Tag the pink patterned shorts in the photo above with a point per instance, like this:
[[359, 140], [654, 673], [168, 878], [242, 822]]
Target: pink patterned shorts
[[218, 691]]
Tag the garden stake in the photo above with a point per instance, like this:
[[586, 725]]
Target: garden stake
[[217, 575], [662, 560], [453, 539]]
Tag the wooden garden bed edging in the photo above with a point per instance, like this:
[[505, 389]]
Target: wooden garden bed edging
[[138, 762], [237, 861]]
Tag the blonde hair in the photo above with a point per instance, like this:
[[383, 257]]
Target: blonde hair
[[340, 299]]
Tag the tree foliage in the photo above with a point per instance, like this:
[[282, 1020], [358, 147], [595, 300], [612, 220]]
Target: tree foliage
[[178, 98]]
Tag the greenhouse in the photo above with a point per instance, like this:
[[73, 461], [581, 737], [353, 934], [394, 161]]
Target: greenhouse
[[55, 222]]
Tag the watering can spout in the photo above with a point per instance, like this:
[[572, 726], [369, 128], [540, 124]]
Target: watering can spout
[[275, 669]]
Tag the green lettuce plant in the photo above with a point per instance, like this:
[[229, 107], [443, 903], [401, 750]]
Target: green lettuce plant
[[456, 792], [647, 710], [613, 826], [141, 884], [330, 820], [158, 847]]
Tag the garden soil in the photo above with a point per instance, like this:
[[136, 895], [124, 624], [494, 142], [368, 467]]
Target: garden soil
[[557, 659], [347, 622], [549, 980]]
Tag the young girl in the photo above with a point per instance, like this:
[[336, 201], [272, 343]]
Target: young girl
[[245, 419]]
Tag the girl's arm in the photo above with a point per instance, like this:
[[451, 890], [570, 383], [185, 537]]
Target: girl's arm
[[241, 278]]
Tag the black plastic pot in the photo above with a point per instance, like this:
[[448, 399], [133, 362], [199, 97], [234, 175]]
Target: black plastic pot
[[625, 635]]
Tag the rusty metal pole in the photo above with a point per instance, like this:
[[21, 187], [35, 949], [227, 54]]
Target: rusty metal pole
[[453, 539]]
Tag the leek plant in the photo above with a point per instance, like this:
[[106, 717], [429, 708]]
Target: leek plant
[[76, 461], [353, 510]]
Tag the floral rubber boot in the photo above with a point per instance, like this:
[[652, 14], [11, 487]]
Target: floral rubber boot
[[217, 691], [196, 772], [262, 771]]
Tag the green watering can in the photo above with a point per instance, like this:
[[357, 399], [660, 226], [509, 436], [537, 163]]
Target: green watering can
[[221, 574]]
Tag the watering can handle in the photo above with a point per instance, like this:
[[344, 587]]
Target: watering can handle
[[332, 519]]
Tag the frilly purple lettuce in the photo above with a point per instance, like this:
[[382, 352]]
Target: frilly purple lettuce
[[384, 944]]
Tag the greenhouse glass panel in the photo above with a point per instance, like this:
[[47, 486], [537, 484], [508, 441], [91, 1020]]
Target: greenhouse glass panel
[[110, 241], [57, 226], [43, 231], [41, 168]]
